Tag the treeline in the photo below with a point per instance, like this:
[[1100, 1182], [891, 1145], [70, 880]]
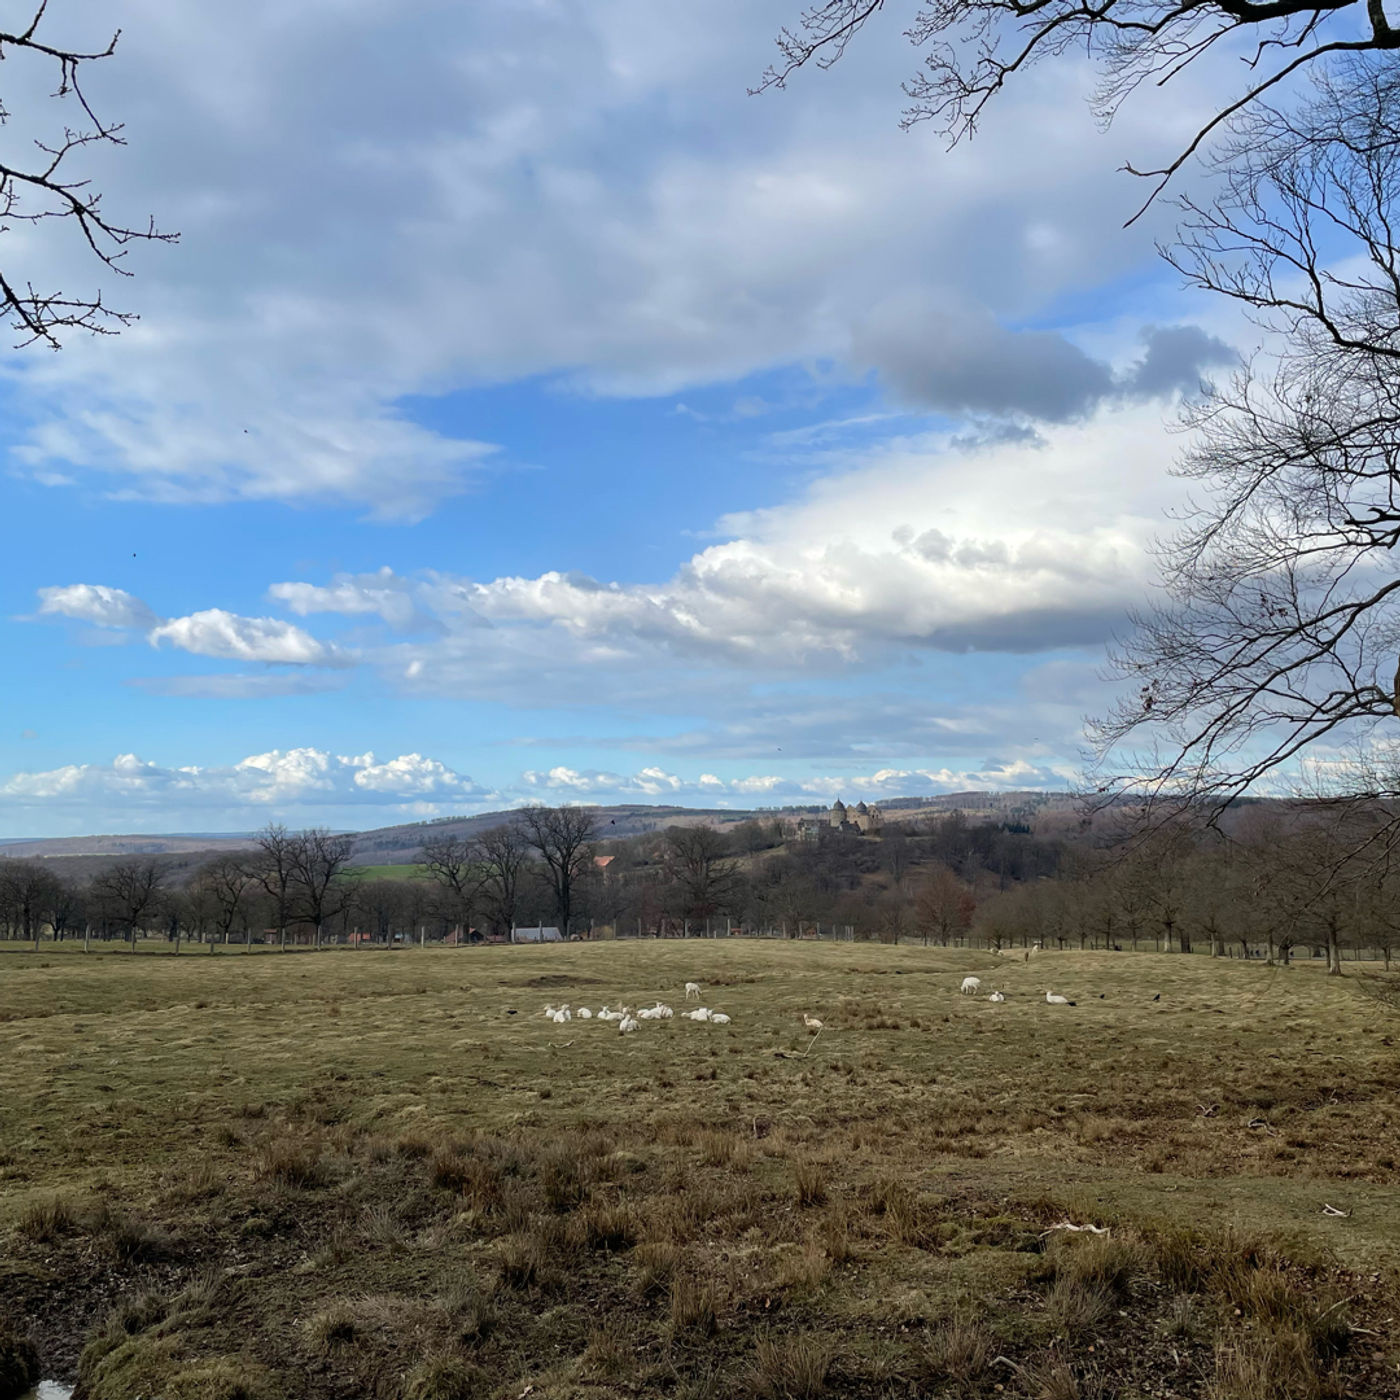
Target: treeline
[[1286, 878]]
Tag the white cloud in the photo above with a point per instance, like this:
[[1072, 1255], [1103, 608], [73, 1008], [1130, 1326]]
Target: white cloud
[[600, 785], [381, 594], [311, 784], [453, 225], [281, 779], [918, 545], [214, 632], [98, 604]]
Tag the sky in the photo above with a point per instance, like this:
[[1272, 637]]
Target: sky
[[528, 413]]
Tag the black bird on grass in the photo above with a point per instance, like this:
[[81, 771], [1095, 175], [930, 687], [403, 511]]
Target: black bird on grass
[[1158, 997]]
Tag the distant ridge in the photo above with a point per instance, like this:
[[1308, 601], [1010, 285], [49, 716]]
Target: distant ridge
[[399, 845], [140, 844]]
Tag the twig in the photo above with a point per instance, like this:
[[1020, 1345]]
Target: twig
[[1340, 1303], [812, 1042]]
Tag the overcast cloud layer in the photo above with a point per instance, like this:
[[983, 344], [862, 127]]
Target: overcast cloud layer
[[537, 205]]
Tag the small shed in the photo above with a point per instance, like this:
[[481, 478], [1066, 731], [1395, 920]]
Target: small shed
[[539, 934]]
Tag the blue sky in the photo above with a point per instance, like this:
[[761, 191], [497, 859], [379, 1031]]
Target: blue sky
[[527, 413]]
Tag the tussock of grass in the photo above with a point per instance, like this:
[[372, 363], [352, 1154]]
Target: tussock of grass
[[836, 1237], [810, 1183], [789, 1368], [381, 1228], [445, 1378], [657, 1261], [134, 1241], [1073, 1307], [139, 1313], [804, 1268], [609, 1356], [607, 1226], [47, 1218], [290, 1163], [694, 1310], [1275, 1364], [532, 1258], [959, 1349], [331, 1328], [1055, 1379]]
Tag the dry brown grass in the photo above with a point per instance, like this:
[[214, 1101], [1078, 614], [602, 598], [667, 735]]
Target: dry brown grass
[[445, 1377], [290, 1162], [677, 1197], [47, 1218], [810, 1183], [959, 1349], [789, 1368], [694, 1306], [331, 1328]]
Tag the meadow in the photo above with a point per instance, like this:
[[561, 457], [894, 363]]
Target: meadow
[[355, 1174]]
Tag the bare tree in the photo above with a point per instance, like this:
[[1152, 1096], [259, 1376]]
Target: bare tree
[[562, 836], [45, 188], [1280, 621], [319, 889], [226, 882], [974, 48], [274, 868], [29, 891], [695, 858], [504, 851], [130, 891], [455, 865], [944, 905]]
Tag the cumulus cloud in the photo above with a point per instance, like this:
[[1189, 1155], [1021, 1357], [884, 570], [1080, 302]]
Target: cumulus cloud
[[653, 784], [279, 779], [920, 545], [97, 604], [382, 594], [361, 790], [214, 632]]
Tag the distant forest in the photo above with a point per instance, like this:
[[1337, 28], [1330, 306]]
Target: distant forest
[[1277, 879]]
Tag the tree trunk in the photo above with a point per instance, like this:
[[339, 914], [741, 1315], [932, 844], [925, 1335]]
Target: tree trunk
[[1334, 954]]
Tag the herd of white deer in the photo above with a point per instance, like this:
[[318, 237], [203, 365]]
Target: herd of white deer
[[627, 1020]]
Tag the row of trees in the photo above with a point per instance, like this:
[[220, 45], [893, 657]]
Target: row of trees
[[1286, 877]]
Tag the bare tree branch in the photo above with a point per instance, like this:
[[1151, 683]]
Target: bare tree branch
[[1279, 626], [974, 48], [44, 190]]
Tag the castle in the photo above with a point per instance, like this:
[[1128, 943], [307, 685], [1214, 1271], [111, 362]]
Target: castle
[[859, 820]]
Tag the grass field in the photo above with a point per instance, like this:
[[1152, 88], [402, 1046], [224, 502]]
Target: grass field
[[386, 872], [357, 1174]]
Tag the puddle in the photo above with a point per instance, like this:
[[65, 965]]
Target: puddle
[[48, 1390]]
